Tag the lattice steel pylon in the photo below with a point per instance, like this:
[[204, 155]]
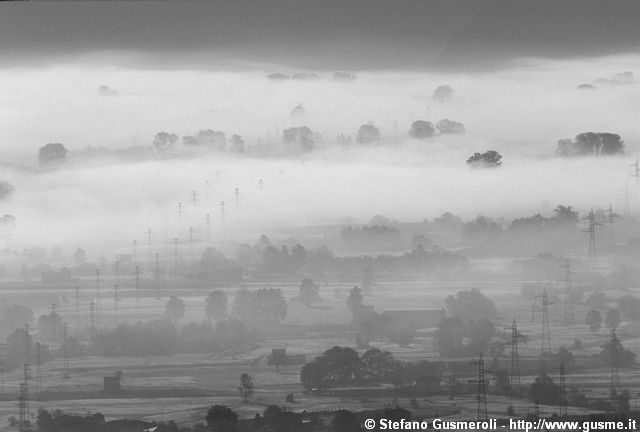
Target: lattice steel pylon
[[611, 218], [482, 388], [542, 305], [568, 316], [614, 383], [514, 373], [562, 400], [591, 229]]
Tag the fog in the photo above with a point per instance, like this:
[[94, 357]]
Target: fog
[[520, 110]]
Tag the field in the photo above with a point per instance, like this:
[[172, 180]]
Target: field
[[181, 387]]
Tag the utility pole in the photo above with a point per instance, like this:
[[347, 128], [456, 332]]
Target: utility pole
[[98, 274], [191, 252], [38, 368], [65, 354], [137, 288], [3, 348], [176, 261], [208, 222], [157, 266], [92, 309], [135, 252], [542, 303], [77, 306], [149, 257], [568, 301]]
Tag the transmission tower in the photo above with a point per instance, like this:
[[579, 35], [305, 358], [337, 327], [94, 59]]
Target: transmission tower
[[542, 305], [92, 310], [191, 254], [611, 217], [260, 184], [614, 383], [137, 273], [157, 266], [2, 364], [237, 197], [77, 306], [27, 343], [568, 302], [194, 198], [149, 255], [176, 260], [207, 218], [482, 389], [135, 252], [116, 300], [563, 391], [65, 354], [514, 374], [591, 229], [38, 368], [98, 281], [23, 409], [179, 212]]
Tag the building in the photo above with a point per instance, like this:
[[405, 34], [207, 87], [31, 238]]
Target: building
[[398, 320]]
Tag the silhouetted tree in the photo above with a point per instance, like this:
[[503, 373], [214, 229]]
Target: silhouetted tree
[[309, 292], [488, 159], [421, 129], [301, 135], [216, 305], [163, 142], [612, 319], [246, 387], [174, 309], [471, 304], [591, 143], [544, 390], [443, 93], [446, 126], [594, 320], [222, 419], [368, 134], [345, 421], [52, 153]]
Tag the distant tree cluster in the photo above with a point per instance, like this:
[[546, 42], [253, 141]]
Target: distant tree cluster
[[488, 159], [301, 136], [309, 292], [368, 134], [471, 304], [343, 366], [374, 237], [422, 129], [591, 144], [162, 337], [458, 337], [260, 307], [443, 93], [52, 153]]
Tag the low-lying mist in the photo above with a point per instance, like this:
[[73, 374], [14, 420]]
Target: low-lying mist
[[520, 112]]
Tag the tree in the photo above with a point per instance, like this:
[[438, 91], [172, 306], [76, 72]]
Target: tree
[[593, 320], [246, 387], [79, 256], [174, 309], [164, 142], [443, 93], [591, 144], [309, 292], [6, 189], [488, 159], [52, 153], [449, 337], [345, 421], [612, 319], [211, 139], [367, 134], [354, 301], [335, 365], [50, 327], [629, 307], [421, 129], [216, 305], [377, 364], [471, 304], [446, 126], [222, 419], [301, 135], [544, 390], [622, 357], [237, 143]]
